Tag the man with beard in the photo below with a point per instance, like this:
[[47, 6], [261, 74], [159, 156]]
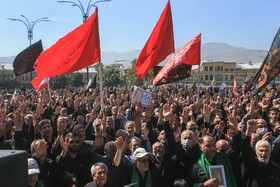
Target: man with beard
[[264, 171], [162, 163], [75, 165], [209, 156], [46, 133], [139, 173], [187, 153]]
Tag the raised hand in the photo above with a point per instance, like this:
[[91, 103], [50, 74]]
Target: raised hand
[[265, 104], [40, 148], [251, 126], [120, 144], [206, 112], [18, 120], [266, 136], [233, 122], [63, 144], [185, 115]]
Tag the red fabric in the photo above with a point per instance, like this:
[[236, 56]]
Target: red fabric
[[78, 49], [159, 45], [189, 54], [42, 85]]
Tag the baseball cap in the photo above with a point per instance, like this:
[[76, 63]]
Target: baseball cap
[[139, 153], [33, 167]]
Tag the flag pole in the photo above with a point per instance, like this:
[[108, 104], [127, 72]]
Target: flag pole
[[101, 84], [50, 95], [198, 82]]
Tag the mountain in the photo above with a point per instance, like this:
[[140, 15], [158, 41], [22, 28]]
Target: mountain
[[209, 51], [225, 52]]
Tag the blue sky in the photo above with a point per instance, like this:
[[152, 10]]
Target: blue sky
[[125, 25]]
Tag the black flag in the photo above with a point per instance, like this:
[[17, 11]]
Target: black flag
[[25, 60], [269, 69], [180, 72]]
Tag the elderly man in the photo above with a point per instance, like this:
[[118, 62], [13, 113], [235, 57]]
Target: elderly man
[[187, 153], [99, 173], [33, 171], [209, 156], [263, 170], [140, 172], [162, 163]]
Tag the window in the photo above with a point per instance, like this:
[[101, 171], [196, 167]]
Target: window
[[206, 68], [226, 69], [231, 77], [211, 77], [231, 69], [222, 68], [219, 68], [206, 77], [211, 68]]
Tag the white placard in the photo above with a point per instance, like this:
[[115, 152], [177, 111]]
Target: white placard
[[141, 96], [218, 172]]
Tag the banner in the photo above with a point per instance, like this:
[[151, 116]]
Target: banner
[[25, 60], [184, 58], [77, 50], [180, 72], [269, 69], [159, 45]]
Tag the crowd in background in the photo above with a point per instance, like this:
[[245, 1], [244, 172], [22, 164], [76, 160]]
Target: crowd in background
[[72, 139]]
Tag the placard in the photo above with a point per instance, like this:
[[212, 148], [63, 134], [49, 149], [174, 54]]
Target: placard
[[218, 172], [141, 96]]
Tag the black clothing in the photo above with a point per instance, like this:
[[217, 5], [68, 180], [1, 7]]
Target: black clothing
[[265, 175], [164, 171], [79, 166], [183, 161]]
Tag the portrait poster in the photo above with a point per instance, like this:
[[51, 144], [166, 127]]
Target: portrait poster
[[218, 172]]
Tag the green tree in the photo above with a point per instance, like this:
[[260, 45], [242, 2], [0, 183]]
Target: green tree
[[77, 80], [112, 76], [130, 78], [10, 83], [60, 81]]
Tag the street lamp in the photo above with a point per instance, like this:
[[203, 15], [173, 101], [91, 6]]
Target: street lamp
[[29, 25], [85, 13]]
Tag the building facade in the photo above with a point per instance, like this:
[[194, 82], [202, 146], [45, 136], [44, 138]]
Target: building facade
[[222, 71]]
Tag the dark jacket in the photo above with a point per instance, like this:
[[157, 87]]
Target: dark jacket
[[265, 175], [183, 161]]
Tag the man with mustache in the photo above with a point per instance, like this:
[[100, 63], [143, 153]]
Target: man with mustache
[[264, 171]]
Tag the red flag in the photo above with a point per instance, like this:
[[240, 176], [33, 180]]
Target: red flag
[[78, 49], [189, 54], [42, 85], [159, 45]]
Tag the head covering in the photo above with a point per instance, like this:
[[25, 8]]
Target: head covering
[[33, 167], [139, 153], [76, 127]]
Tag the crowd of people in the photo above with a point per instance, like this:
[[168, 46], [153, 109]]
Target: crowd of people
[[185, 137]]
